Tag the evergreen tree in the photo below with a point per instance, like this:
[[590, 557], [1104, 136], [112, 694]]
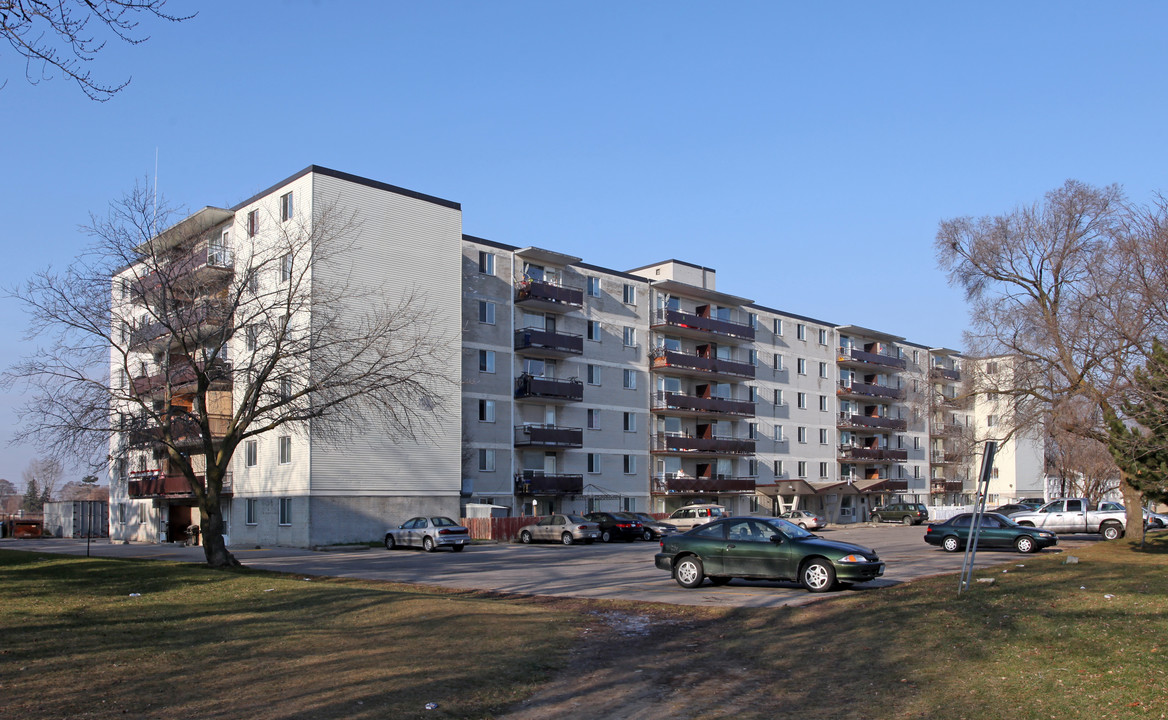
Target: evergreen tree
[[1139, 440], [32, 497]]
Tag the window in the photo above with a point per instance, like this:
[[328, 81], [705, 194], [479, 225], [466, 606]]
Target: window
[[917, 471], [630, 464], [487, 361], [916, 443], [253, 223], [752, 320], [823, 438], [285, 389], [285, 511], [250, 512], [593, 374], [801, 400], [251, 452], [630, 422], [752, 393], [630, 379], [802, 434], [778, 468], [630, 294], [802, 469], [779, 433], [593, 331], [286, 206], [778, 326], [822, 337], [630, 337], [822, 369], [752, 357], [593, 463], [822, 469], [286, 268], [991, 420], [778, 361], [487, 411], [252, 339], [823, 403], [253, 282], [486, 312], [752, 431], [801, 366], [778, 397], [593, 419], [285, 449], [801, 331], [630, 504], [594, 287], [486, 460], [486, 262]]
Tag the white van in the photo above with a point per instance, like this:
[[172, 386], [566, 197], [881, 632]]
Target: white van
[[691, 516]]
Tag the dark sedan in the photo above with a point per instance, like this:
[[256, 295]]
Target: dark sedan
[[1012, 508], [616, 526], [996, 530], [653, 528], [764, 548]]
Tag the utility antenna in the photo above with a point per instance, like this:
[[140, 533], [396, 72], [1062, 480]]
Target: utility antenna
[[154, 215]]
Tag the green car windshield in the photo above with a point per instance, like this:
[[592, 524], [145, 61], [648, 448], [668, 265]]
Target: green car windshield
[[790, 529]]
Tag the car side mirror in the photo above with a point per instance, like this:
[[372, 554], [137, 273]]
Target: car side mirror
[[777, 539]]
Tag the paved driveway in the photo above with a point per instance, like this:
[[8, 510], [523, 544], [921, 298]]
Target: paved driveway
[[617, 571]]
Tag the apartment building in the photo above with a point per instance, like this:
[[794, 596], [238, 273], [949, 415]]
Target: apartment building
[[576, 387], [1018, 467]]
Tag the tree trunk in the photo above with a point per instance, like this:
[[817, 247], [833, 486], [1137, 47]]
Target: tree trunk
[[1135, 511], [214, 547]]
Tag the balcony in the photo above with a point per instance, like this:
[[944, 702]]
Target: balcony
[[182, 374], [548, 389], [851, 356], [538, 482], [952, 402], [548, 436], [176, 486], [938, 486], [187, 320], [694, 365], [204, 267], [692, 405], [848, 452], [544, 343], [876, 485], [847, 421], [698, 327], [941, 457], [940, 373], [864, 390], [679, 444], [548, 296], [672, 483], [947, 429], [184, 431]]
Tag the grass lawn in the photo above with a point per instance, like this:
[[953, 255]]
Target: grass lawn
[[1046, 640]]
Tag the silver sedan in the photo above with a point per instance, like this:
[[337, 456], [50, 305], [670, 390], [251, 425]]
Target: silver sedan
[[428, 533], [804, 519], [565, 529]]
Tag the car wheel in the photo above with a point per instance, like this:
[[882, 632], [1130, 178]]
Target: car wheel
[[457, 548], [567, 538], [647, 535], [389, 543], [720, 580], [803, 525], [688, 572], [951, 544], [818, 576], [1024, 544], [525, 537], [428, 544], [907, 520], [1112, 531], [606, 536]]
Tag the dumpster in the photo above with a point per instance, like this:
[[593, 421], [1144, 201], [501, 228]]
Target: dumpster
[[27, 528]]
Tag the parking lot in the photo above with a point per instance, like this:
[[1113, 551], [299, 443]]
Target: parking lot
[[618, 571]]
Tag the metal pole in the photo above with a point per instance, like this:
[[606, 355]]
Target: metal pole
[[983, 484]]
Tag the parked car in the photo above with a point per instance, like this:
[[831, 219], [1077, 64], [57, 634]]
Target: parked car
[[616, 526], [691, 516], [1075, 515], [428, 533], [1157, 521], [654, 528], [565, 529], [907, 513], [765, 548], [1011, 508], [1152, 520], [996, 530], [804, 519]]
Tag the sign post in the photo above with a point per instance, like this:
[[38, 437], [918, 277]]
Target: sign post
[[983, 486]]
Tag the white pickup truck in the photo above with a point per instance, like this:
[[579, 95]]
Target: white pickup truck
[[1075, 515]]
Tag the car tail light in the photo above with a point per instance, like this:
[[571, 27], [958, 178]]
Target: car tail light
[[445, 532]]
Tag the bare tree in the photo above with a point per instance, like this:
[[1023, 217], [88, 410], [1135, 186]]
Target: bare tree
[[1050, 286], [201, 347], [1082, 466], [46, 473], [63, 35]]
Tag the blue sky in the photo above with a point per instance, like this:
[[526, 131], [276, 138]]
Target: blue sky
[[806, 151]]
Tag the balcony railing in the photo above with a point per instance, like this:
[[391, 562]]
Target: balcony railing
[[709, 446], [529, 386], [538, 482], [938, 486], [203, 263], [549, 296], [672, 483], [940, 373], [691, 361], [852, 355], [663, 400], [955, 402], [184, 431], [180, 374], [848, 421], [548, 436], [688, 321], [158, 485], [941, 457], [186, 320], [866, 390], [947, 429], [548, 343], [848, 452]]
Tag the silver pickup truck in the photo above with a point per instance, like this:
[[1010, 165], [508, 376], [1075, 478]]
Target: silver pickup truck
[[1075, 515]]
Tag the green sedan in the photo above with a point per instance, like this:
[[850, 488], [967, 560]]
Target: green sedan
[[997, 530], [764, 548]]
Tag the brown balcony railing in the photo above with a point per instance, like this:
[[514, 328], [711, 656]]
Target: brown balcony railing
[[942, 457], [691, 361], [549, 436], [663, 400], [181, 373], [940, 373], [158, 485], [203, 263], [529, 386], [541, 293], [688, 321], [847, 452], [866, 390], [868, 358], [672, 483], [184, 430], [849, 421], [938, 486], [552, 342], [538, 482], [184, 319], [714, 446]]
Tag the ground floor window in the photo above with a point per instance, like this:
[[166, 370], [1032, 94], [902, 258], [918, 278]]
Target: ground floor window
[[630, 504], [250, 512], [285, 511]]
